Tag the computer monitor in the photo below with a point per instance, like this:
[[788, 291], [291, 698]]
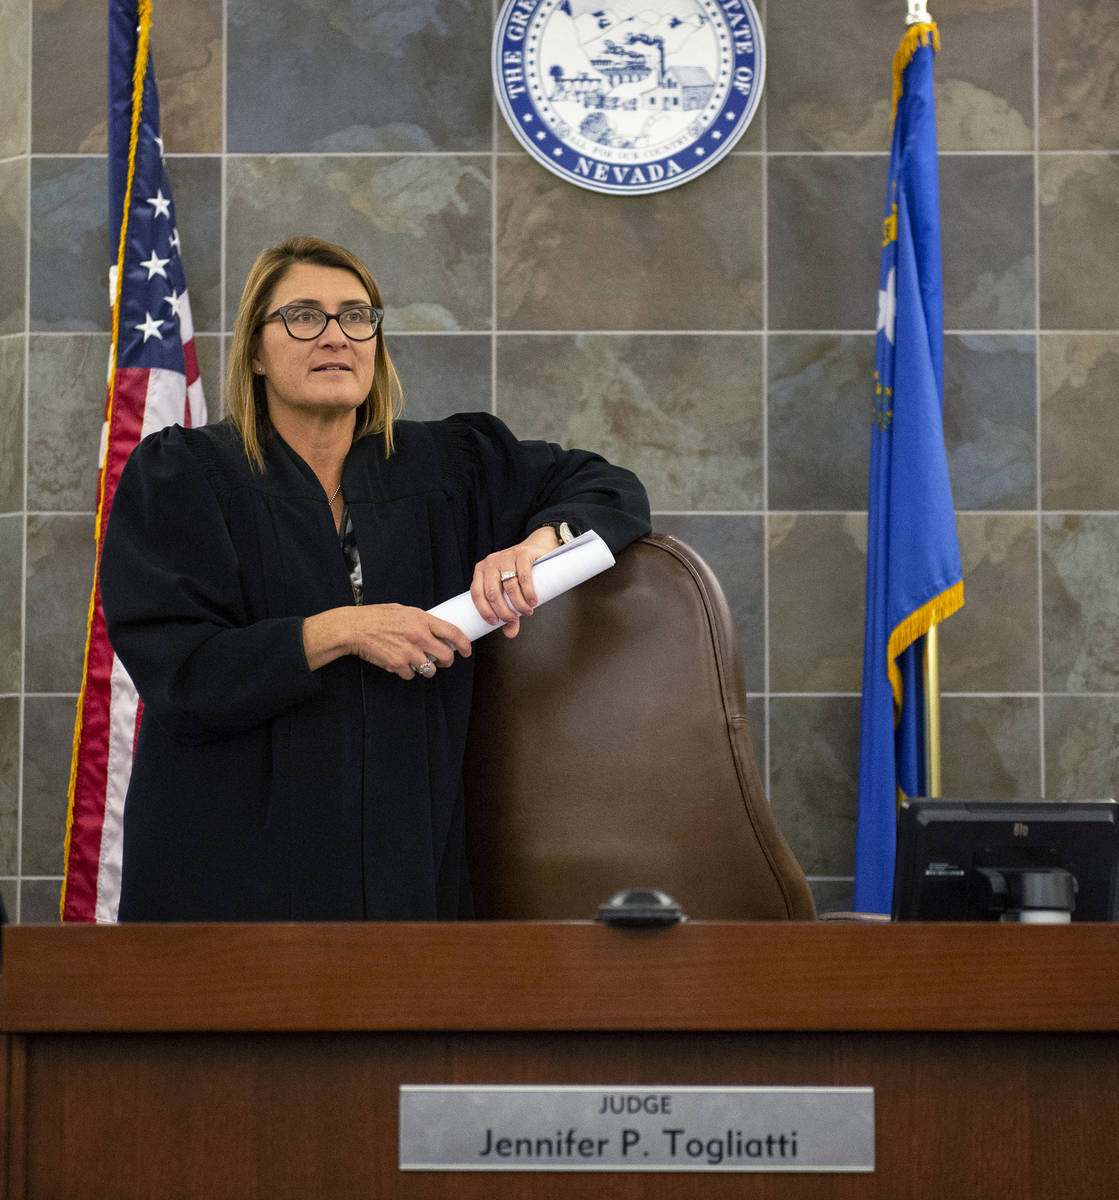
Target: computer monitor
[[1023, 860]]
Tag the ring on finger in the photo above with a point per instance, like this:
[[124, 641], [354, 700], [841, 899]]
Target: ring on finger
[[508, 575], [426, 669]]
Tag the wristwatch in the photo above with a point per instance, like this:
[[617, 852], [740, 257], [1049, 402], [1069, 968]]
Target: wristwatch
[[562, 531]]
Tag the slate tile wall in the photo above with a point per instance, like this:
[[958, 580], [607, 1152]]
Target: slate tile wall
[[717, 338]]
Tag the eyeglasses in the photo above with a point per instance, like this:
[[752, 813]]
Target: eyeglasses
[[305, 321]]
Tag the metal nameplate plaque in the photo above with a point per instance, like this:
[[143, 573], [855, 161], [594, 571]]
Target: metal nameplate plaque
[[625, 1128]]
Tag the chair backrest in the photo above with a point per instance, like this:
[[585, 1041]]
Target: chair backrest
[[609, 748]]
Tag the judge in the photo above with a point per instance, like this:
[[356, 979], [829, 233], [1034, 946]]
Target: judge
[[265, 582]]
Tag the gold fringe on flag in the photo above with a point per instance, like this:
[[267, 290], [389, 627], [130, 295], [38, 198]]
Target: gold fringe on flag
[[916, 625], [924, 34]]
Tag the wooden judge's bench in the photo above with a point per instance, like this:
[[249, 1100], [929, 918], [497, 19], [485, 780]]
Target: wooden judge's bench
[[266, 1061]]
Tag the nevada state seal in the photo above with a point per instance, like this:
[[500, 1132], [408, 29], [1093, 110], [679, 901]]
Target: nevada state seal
[[628, 96]]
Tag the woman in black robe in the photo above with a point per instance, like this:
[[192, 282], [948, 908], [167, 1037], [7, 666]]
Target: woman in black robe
[[265, 582]]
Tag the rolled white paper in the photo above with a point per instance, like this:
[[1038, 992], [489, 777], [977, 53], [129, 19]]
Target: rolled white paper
[[553, 574]]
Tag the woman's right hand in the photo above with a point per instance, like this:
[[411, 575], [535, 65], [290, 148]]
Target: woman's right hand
[[393, 637]]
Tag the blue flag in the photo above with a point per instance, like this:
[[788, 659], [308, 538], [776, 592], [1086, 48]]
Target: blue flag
[[914, 578]]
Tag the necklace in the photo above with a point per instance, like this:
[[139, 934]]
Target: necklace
[[336, 491]]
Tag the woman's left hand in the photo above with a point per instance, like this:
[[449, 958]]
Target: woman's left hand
[[502, 587]]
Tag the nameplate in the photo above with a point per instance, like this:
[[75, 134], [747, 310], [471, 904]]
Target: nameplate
[[604, 1128]]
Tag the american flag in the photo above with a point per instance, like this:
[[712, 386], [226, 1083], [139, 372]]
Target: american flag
[[153, 382]]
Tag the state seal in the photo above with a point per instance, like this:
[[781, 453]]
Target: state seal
[[628, 96]]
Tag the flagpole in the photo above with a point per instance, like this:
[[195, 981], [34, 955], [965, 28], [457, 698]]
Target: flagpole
[[918, 14], [932, 712]]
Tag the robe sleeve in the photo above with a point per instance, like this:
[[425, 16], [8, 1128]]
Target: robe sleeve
[[520, 485], [174, 609]]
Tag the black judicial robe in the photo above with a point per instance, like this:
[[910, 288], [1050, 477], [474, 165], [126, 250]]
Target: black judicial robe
[[262, 790]]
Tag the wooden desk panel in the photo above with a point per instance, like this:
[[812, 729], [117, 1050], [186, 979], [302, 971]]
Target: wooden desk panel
[[561, 976], [306, 1115], [217, 1082]]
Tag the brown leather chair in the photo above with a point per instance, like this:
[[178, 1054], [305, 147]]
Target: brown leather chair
[[609, 749]]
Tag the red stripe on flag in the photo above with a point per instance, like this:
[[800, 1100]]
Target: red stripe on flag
[[190, 361], [130, 392], [90, 778], [130, 398]]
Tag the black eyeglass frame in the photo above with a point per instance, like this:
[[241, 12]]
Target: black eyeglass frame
[[282, 313]]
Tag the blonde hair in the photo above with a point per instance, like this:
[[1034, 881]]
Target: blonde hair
[[245, 395]]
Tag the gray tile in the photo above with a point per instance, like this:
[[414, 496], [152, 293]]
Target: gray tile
[[39, 901], [443, 374], [989, 747], [14, 76], [819, 421], [991, 644], [48, 742], [208, 347], [12, 360], [69, 65], [9, 786], [734, 548], [819, 438], [1081, 747], [9, 892], [60, 553], [341, 76], [65, 416], [11, 586], [505, 142], [69, 241], [814, 741], [984, 75], [1079, 240], [13, 245], [758, 717], [422, 224], [817, 585], [196, 188], [69, 244], [824, 92], [1078, 74], [683, 411], [689, 258], [833, 895], [69, 69], [187, 56], [1080, 432], [752, 140], [1081, 603], [990, 424], [987, 241], [834, 93], [825, 217]]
